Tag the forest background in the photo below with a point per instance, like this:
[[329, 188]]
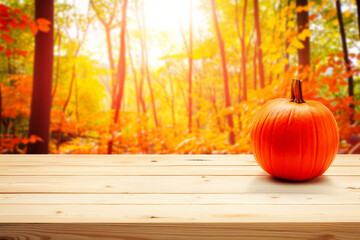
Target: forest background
[[179, 76]]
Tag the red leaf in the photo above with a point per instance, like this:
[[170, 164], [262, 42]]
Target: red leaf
[[8, 52], [20, 52], [21, 26], [7, 38], [1, 48], [16, 10], [12, 23]]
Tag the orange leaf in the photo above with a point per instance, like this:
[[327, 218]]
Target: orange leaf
[[34, 138], [312, 17], [43, 24], [34, 28], [316, 61], [7, 38], [43, 21]]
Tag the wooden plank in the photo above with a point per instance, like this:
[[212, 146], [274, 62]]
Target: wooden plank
[[151, 160], [178, 213], [352, 198], [183, 231], [140, 170], [175, 184]]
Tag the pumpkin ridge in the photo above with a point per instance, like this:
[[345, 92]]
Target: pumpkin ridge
[[278, 112], [287, 128], [316, 143], [326, 163], [261, 133]]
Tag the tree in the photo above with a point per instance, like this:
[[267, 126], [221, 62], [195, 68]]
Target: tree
[[121, 70], [258, 44], [302, 19], [346, 57], [242, 42], [108, 24], [43, 67], [225, 74]]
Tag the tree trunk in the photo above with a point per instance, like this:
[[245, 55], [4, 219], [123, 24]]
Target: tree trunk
[[225, 74], [302, 19], [134, 75], [243, 50], [121, 70], [255, 69], [57, 65], [142, 60], [346, 58], [112, 65], [258, 43], [148, 77], [43, 66], [190, 69]]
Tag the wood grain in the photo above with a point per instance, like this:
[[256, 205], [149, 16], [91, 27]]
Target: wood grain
[[143, 170], [152, 160], [182, 231], [175, 184], [178, 213], [201, 197], [351, 198]]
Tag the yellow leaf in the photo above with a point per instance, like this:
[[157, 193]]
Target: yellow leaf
[[335, 22], [291, 50], [284, 61], [304, 34], [311, 3], [296, 43], [347, 13], [291, 24]]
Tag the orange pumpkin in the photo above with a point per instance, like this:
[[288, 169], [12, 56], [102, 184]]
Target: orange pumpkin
[[294, 140]]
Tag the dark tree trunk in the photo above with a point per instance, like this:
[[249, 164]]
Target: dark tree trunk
[[190, 69], [346, 57], [302, 19], [57, 65], [258, 43], [43, 68], [225, 74]]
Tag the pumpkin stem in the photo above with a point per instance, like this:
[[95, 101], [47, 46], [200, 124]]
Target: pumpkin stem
[[296, 92]]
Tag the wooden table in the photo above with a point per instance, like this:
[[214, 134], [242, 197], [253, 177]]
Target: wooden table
[[138, 197]]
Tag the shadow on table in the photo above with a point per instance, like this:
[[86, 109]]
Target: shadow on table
[[268, 184]]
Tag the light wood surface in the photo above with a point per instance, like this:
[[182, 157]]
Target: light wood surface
[[172, 197]]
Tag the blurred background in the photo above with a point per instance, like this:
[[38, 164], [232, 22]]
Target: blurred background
[[160, 76]]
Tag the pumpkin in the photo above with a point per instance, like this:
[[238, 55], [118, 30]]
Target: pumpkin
[[294, 140]]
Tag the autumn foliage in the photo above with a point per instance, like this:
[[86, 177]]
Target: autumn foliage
[[154, 114]]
